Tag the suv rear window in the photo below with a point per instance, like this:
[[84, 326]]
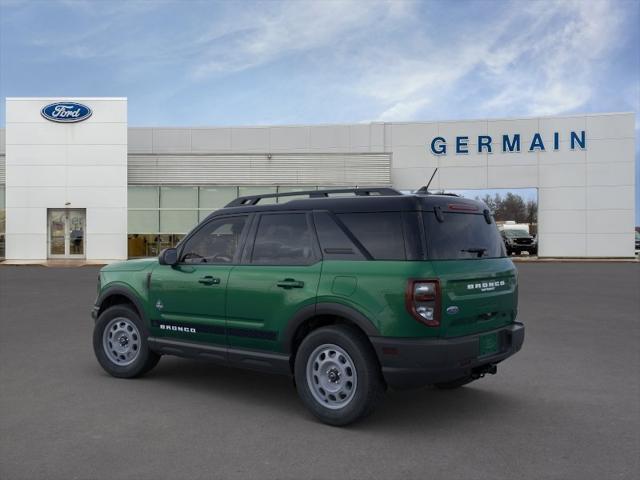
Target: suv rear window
[[462, 236], [380, 233]]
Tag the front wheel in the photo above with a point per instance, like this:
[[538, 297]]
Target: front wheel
[[337, 375], [120, 343]]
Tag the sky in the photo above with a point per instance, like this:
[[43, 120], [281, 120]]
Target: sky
[[207, 63]]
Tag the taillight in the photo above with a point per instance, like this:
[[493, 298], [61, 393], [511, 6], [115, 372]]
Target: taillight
[[423, 301]]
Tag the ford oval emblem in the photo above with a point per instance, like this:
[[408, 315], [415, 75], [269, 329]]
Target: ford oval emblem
[[452, 310], [66, 112]]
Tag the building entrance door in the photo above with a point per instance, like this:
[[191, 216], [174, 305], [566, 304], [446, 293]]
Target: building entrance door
[[66, 233]]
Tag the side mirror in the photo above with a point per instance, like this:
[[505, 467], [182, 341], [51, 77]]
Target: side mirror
[[168, 256]]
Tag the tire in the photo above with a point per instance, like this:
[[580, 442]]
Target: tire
[[348, 359], [125, 353], [452, 385]]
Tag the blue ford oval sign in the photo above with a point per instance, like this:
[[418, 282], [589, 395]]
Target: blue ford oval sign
[[66, 112]]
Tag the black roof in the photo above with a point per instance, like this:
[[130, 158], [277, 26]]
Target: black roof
[[388, 201]]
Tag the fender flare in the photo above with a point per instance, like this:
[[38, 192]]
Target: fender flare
[[326, 308], [128, 294]]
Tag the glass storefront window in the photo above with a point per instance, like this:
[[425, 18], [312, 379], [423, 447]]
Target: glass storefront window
[[141, 245], [213, 198], [178, 221], [159, 216], [202, 214], [142, 197], [244, 191], [179, 197], [143, 221], [293, 189]]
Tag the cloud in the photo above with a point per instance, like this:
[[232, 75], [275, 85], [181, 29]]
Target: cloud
[[269, 34], [540, 58], [551, 64], [400, 60]]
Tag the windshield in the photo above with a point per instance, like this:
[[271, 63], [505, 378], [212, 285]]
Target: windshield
[[462, 236], [516, 233]]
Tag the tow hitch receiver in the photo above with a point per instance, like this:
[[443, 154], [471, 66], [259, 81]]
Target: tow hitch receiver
[[479, 372]]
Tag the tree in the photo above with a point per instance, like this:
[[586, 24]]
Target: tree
[[489, 202], [512, 207], [532, 212]]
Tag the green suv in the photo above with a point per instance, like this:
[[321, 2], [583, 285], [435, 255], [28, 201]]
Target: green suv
[[348, 291]]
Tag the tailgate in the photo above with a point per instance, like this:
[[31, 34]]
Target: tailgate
[[477, 295]]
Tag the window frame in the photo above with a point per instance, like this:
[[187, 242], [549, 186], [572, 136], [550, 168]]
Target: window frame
[[361, 250], [408, 249], [241, 244], [247, 253]]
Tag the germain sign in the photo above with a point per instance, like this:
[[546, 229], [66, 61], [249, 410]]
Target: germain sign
[[66, 112], [509, 143]]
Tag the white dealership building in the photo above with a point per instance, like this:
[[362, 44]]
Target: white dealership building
[[77, 182]]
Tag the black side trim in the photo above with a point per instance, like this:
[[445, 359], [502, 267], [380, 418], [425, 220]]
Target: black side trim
[[219, 330], [269, 362], [188, 349], [335, 309], [252, 333]]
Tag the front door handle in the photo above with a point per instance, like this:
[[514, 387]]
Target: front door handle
[[209, 280], [290, 283]]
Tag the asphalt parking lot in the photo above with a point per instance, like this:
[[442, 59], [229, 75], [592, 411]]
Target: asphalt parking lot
[[567, 406]]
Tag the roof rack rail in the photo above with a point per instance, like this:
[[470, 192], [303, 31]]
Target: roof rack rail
[[358, 192], [425, 191]]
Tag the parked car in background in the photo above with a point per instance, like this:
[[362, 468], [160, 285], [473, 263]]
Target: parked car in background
[[637, 241], [518, 241]]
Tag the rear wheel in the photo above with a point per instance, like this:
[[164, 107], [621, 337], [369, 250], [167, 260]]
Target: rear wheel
[[337, 375], [120, 343]]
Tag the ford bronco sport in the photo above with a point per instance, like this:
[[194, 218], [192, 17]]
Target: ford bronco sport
[[348, 295]]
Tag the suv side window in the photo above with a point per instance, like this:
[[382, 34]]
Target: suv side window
[[283, 239], [334, 242], [216, 242], [380, 233]]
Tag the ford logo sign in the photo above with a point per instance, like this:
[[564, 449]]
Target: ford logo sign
[[66, 112], [453, 309]]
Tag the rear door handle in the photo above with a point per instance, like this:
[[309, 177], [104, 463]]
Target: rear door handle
[[290, 283], [209, 280]]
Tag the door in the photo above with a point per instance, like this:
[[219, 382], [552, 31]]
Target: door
[[66, 229], [278, 276], [188, 299]]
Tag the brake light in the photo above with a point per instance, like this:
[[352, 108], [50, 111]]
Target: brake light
[[462, 207], [422, 300]]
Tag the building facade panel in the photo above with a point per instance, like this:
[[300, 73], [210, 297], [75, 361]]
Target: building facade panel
[[562, 198], [141, 189], [608, 244], [58, 172]]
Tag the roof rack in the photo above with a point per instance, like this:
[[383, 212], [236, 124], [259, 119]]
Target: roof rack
[[358, 192]]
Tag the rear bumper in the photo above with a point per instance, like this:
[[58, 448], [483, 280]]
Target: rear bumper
[[408, 363]]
